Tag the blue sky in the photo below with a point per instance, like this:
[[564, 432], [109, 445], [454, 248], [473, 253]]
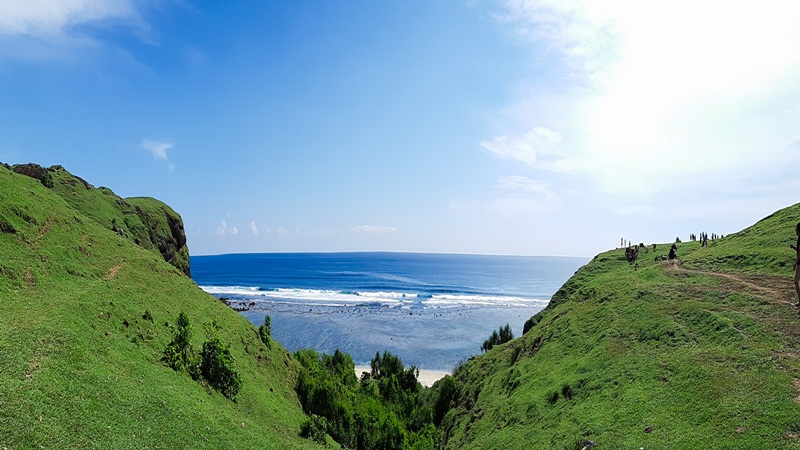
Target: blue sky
[[472, 126]]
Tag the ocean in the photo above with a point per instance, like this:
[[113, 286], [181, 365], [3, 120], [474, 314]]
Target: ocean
[[432, 310]]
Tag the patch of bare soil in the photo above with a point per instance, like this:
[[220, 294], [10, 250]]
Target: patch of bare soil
[[112, 272], [46, 227]]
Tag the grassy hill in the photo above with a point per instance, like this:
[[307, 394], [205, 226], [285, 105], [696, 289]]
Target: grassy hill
[[697, 354], [85, 316], [654, 355]]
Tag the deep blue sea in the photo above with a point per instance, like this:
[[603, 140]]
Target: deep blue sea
[[432, 310]]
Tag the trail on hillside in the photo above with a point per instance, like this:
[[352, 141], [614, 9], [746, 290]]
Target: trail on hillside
[[776, 289], [783, 317]]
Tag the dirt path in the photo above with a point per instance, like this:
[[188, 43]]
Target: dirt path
[[776, 289], [783, 318]]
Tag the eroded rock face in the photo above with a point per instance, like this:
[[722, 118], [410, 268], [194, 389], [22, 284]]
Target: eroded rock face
[[166, 233]]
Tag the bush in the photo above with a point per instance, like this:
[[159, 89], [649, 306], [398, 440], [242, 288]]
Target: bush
[[217, 367], [498, 337], [314, 428], [215, 363], [179, 353], [387, 410], [444, 393], [265, 330]]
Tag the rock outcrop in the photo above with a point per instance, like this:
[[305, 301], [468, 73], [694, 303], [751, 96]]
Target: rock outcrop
[[148, 222]]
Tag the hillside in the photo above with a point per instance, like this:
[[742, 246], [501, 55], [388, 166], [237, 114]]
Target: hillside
[[701, 354], [696, 354], [149, 223], [86, 315]]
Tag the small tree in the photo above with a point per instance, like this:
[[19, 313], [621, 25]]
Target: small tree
[[498, 337], [265, 330], [217, 366], [179, 353]]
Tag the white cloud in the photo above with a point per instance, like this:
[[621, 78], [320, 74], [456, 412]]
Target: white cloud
[[282, 231], [159, 150], [526, 148], [57, 19], [224, 228], [524, 184], [372, 229], [253, 227], [647, 96]]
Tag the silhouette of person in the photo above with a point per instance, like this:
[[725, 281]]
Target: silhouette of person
[[796, 248]]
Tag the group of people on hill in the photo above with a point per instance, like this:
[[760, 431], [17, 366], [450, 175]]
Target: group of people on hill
[[632, 252], [704, 238]]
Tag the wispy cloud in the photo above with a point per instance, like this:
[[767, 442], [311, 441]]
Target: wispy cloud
[[253, 228], [527, 148], [159, 150], [524, 184], [225, 228], [62, 19], [372, 229]]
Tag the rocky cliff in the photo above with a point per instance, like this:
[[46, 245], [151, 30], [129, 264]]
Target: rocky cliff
[[148, 222]]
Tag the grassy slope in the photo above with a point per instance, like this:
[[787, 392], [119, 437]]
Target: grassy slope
[[148, 226], [73, 374], [702, 356]]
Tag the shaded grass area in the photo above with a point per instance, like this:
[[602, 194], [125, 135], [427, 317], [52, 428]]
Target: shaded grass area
[[86, 315], [653, 355]]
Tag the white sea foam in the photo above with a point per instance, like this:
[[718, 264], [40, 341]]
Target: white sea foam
[[319, 297]]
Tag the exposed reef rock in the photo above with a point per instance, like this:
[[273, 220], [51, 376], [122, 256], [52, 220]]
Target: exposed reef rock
[[148, 222]]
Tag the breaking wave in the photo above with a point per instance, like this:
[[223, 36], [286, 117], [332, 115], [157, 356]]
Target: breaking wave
[[319, 297]]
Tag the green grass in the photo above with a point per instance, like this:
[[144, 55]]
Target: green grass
[[148, 222], [86, 314], [653, 356]]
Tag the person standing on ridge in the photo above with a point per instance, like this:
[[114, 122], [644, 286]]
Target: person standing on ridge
[[797, 262]]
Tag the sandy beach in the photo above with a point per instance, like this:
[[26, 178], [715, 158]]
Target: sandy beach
[[426, 377]]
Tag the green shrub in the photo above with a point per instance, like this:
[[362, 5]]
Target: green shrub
[[218, 367], [498, 337], [314, 428], [444, 393], [387, 410], [215, 363], [265, 330], [179, 353]]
